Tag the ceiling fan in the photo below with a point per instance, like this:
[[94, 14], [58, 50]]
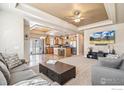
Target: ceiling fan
[[76, 16]]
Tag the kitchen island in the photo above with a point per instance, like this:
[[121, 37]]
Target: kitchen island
[[63, 51]]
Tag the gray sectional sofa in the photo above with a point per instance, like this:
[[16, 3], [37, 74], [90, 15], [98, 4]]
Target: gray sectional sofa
[[19, 74], [16, 74], [108, 71]]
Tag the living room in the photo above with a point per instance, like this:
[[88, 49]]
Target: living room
[[75, 31]]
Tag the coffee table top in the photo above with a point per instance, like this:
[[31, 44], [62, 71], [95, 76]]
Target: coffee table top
[[59, 67]]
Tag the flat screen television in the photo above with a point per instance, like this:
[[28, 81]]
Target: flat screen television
[[106, 37]]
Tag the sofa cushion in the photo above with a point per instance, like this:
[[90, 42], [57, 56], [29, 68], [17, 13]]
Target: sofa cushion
[[122, 65], [2, 79], [5, 71], [19, 68], [108, 62], [22, 75]]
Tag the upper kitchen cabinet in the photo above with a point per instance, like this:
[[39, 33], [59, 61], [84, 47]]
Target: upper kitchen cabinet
[[47, 40], [56, 40]]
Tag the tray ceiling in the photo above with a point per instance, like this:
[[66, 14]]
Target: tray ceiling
[[92, 12]]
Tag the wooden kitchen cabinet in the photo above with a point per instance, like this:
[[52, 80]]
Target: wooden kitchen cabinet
[[47, 40], [56, 40], [63, 40], [49, 50], [68, 52]]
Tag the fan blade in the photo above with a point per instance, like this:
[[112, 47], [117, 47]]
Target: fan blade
[[82, 18], [70, 17], [85, 17]]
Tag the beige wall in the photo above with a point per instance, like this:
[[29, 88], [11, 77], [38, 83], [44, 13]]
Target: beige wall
[[11, 33], [119, 38]]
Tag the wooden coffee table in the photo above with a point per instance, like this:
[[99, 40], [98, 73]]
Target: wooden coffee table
[[59, 72]]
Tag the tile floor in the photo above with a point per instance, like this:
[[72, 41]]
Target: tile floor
[[36, 59]]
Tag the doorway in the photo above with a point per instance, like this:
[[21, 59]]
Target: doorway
[[36, 50], [36, 46]]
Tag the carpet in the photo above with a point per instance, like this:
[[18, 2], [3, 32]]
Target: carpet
[[83, 70]]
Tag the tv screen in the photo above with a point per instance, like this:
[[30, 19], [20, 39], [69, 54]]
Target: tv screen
[[106, 37]]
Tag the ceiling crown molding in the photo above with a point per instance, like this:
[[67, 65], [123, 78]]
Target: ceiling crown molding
[[45, 17], [111, 11], [61, 25], [97, 24]]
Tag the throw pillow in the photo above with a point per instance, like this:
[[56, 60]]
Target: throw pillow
[[122, 65], [113, 56], [2, 79], [5, 71], [13, 61], [108, 62], [33, 82], [3, 60], [1, 57]]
